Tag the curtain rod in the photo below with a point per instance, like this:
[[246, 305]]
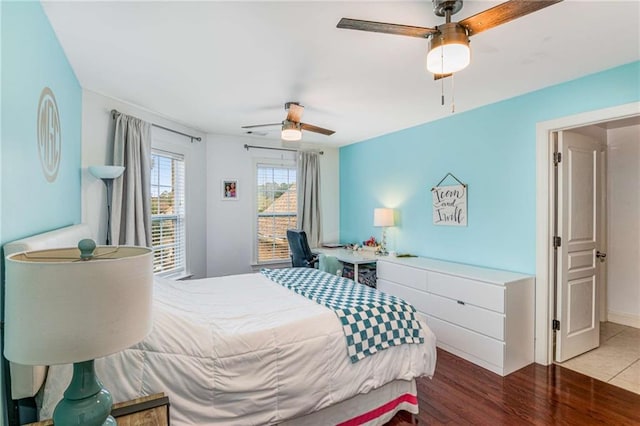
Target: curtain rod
[[115, 112], [275, 149]]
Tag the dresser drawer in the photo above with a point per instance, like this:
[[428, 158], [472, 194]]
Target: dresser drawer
[[416, 298], [471, 292], [406, 275], [467, 341], [483, 321]]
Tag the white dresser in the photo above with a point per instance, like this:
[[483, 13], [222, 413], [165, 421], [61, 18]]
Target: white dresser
[[483, 315]]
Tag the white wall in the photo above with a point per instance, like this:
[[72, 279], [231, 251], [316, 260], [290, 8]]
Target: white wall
[[230, 225], [623, 229], [97, 140]]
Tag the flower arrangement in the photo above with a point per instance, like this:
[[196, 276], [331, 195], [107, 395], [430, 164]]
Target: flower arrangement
[[371, 245], [371, 242]]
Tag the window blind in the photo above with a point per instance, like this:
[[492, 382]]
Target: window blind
[[168, 213], [277, 200]]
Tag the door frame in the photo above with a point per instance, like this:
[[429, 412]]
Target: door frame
[[603, 233], [544, 297]]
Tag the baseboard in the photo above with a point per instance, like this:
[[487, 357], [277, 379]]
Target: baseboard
[[624, 318]]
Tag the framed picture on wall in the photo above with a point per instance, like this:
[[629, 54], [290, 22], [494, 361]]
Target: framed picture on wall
[[230, 189], [450, 205]]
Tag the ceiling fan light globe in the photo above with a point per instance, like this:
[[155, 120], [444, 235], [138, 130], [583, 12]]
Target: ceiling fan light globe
[[448, 49], [291, 132], [448, 58], [291, 135]]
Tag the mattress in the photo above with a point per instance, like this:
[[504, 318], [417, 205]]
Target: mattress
[[244, 350]]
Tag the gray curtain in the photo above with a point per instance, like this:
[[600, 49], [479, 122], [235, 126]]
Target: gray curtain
[[131, 203], [309, 197]]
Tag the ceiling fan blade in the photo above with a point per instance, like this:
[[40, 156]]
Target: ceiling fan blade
[[316, 129], [261, 125], [381, 27], [503, 13], [439, 76], [295, 112]]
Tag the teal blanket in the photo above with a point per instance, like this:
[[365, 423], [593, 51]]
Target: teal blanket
[[371, 320]]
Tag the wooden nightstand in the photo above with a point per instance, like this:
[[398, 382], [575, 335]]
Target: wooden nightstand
[[152, 410]]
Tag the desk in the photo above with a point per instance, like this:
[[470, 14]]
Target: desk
[[349, 256]]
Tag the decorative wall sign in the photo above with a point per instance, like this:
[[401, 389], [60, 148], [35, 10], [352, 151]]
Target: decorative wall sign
[[230, 189], [49, 134], [450, 203]]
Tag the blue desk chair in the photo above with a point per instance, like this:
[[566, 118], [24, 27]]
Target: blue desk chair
[[301, 255]]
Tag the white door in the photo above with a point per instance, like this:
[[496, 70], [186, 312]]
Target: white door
[[578, 210]]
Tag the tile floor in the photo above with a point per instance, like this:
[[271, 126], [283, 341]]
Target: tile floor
[[616, 361]]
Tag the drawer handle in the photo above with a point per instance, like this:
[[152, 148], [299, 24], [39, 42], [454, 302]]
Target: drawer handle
[[460, 302]]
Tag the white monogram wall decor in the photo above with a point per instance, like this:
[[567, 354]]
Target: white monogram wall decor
[[49, 134]]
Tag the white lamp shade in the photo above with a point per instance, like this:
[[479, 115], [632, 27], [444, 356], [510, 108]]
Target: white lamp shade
[[106, 172], [383, 217], [448, 58], [61, 310]]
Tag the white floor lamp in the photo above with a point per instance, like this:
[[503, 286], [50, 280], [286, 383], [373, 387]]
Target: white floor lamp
[[107, 174]]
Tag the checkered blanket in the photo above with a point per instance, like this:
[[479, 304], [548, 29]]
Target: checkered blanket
[[371, 320]]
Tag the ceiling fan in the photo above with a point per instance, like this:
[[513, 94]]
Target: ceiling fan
[[292, 127], [449, 43]]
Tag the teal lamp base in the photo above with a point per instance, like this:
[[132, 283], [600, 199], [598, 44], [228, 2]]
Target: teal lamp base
[[86, 402]]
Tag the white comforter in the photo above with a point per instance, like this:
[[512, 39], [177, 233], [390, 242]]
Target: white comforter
[[244, 350]]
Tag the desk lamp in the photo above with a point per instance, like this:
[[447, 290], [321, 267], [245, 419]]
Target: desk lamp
[[383, 217], [72, 306]]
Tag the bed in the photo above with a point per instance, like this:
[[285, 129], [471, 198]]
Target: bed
[[245, 350]]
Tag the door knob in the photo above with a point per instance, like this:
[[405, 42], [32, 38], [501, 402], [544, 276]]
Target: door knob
[[601, 256]]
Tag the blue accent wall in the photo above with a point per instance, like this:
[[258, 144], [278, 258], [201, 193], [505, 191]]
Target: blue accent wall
[[32, 59], [492, 149]]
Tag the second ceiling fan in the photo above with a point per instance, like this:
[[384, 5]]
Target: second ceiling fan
[[292, 127], [449, 43]]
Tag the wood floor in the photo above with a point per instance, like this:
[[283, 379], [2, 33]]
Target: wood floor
[[462, 393]]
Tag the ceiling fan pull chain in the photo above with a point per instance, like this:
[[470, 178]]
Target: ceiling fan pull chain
[[442, 73], [453, 95]]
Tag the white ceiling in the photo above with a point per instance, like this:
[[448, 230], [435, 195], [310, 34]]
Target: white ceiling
[[215, 66]]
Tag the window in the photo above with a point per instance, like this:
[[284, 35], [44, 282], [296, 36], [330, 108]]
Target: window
[[167, 213], [277, 205]]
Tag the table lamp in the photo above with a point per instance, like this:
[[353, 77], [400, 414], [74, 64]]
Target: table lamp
[[107, 174], [383, 217], [74, 305]]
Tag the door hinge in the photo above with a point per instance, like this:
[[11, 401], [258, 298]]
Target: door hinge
[[557, 242], [555, 325], [557, 158]]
